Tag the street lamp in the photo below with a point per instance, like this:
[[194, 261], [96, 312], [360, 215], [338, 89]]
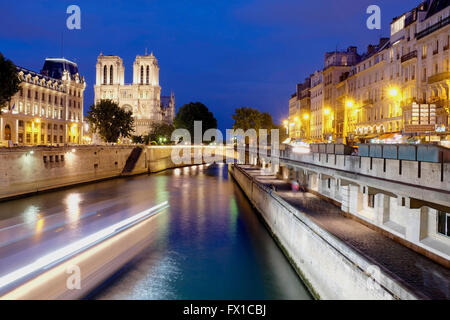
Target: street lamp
[[349, 104], [286, 125], [393, 92], [306, 116]]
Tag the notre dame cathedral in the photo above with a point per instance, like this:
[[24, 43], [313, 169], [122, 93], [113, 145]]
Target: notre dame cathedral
[[142, 97]]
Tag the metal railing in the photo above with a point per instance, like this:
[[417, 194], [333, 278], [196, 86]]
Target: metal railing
[[439, 77], [409, 56], [433, 28]]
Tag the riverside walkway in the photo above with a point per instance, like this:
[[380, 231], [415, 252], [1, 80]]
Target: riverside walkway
[[426, 278]]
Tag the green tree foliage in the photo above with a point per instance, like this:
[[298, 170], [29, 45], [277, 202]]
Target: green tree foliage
[[110, 121], [138, 139], [249, 118], [9, 81], [194, 111], [160, 133]]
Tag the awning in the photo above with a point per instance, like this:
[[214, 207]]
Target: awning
[[370, 136], [390, 135]]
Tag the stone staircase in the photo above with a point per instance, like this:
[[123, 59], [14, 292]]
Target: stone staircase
[[132, 160]]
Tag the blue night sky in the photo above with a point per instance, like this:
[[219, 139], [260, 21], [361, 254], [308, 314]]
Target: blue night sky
[[226, 54]]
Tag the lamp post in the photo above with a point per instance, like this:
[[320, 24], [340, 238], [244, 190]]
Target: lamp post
[[395, 95]]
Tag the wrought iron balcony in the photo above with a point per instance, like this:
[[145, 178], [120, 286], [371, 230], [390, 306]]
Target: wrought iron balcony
[[433, 28], [439, 77], [409, 56]]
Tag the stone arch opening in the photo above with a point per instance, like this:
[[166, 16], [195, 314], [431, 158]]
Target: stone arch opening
[[7, 134]]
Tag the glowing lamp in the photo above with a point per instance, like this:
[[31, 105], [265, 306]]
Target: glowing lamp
[[393, 92]]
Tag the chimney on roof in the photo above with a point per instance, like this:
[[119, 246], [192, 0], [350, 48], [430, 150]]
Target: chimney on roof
[[370, 49], [383, 41], [352, 49]]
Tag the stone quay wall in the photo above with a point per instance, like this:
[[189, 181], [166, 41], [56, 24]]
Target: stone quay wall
[[330, 268]]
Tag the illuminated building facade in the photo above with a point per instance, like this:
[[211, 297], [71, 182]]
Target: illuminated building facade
[[48, 109], [386, 90]]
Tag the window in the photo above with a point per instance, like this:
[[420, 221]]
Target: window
[[142, 75], [443, 223], [111, 75], [371, 202], [7, 132], [105, 74], [148, 75]]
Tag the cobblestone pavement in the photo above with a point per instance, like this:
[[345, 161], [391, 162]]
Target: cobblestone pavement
[[420, 274]]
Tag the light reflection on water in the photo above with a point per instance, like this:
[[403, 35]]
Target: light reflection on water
[[209, 244], [213, 247]]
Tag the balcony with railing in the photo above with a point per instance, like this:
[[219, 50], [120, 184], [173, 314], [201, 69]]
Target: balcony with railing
[[433, 28], [409, 56], [367, 102], [439, 77]]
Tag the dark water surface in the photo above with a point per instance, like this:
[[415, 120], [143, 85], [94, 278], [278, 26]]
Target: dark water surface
[[209, 244]]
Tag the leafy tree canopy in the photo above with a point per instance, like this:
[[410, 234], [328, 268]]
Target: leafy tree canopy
[[9, 81], [194, 111], [161, 133], [110, 121], [249, 118]]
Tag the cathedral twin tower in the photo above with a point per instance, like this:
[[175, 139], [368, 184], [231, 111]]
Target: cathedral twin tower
[[142, 97]]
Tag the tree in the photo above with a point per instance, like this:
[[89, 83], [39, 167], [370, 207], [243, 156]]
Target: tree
[[194, 111], [110, 121], [161, 133], [9, 81], [249, 118], [138, 139]]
